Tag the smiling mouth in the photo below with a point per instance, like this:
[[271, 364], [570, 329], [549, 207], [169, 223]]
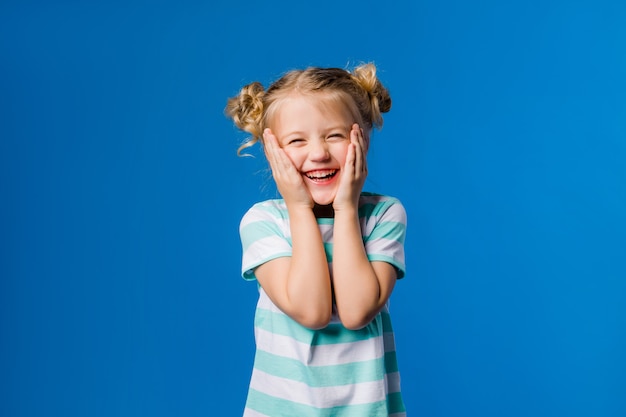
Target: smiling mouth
[[321, 175]]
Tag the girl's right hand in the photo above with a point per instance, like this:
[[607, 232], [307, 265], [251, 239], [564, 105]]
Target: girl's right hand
[[288, 179]]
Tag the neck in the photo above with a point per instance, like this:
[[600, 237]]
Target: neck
[[326, 211]]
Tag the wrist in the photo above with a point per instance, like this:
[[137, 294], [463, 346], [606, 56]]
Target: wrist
[[346, 211], [299, 210], [346, 206]]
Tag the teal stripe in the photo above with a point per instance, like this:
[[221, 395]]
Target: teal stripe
[[386, 318], [249, 273], [273, 207], [401, 268], [328, 249], [325, 220], [277, 407], [396, 405], [282, 324], [376, 208], [369, 210], [388, 230], [320, 376], [391, 362], [258, 230]]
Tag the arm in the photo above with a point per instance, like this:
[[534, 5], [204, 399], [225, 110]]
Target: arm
[[299, 285], [361, 287]]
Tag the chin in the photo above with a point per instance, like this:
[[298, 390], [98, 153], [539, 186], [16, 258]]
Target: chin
[[324, 200], [323, 197]]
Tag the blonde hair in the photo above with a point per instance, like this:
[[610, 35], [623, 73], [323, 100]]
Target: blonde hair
[[253, 108]]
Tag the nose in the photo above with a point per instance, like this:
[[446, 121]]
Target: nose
[[318, 150]]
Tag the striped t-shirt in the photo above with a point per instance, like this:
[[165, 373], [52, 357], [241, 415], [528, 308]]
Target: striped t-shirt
[[334, 371]]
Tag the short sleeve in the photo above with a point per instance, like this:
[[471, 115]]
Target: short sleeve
[[384, 232], [264, 232]]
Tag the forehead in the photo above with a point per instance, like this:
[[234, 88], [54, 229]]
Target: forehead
[[330, 106]]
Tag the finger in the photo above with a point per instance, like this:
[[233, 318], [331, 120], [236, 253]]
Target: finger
[[282, 157], [269, 142], [364, 147], [364, 140], [279, 162], [351, 158], [282, 166], [357, 141]]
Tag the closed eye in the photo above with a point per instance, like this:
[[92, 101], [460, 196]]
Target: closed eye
[[336, 136]]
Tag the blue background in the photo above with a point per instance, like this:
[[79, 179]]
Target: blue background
[[121, 195]]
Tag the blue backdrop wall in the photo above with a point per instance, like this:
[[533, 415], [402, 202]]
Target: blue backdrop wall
[[121, 194]]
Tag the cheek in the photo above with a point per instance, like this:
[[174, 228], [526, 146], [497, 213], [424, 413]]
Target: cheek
[[342, 153], [295, 157]]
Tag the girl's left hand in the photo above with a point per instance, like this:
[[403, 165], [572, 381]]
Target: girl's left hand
[[353, 173]]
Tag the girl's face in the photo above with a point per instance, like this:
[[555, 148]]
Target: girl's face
[[315, 134]]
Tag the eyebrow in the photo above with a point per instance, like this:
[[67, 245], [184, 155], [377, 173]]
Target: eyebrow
[[300, 133], [294, 133]]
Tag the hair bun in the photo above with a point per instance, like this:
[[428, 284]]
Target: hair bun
[[380, 100], [246, 110]]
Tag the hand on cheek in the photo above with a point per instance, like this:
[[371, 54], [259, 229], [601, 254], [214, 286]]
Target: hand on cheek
[[354, 172], [288, 179]]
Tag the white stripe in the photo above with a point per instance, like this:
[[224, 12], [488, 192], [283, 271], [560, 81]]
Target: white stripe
[[384, 244], [262, 250], [393, 382], [252, 413], [390, 342], [320, 355], [269, 209], [265, 303], [326, 229], [324, 397]]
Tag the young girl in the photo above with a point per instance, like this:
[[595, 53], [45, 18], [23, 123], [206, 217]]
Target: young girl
[[327, 255]]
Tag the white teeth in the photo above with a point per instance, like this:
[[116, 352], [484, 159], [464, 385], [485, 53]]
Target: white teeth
[[321, 174]]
